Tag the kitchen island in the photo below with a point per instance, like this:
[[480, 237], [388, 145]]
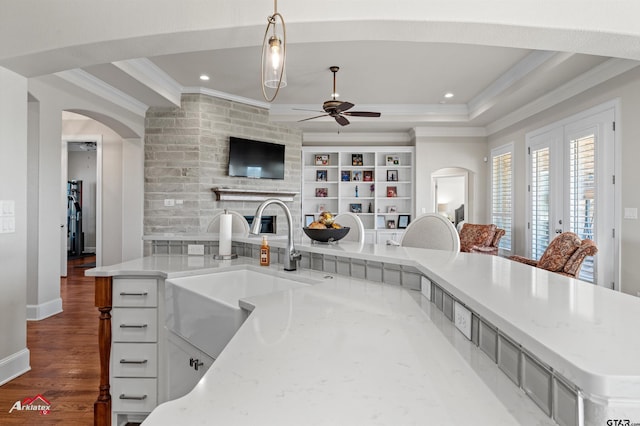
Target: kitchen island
[[360, 352]]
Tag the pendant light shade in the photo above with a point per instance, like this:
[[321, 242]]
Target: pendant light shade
[[274, 53]]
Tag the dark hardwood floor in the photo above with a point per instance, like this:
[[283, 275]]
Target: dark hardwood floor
[[64, 359]]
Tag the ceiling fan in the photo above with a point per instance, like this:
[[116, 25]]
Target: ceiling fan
[[338, 109]]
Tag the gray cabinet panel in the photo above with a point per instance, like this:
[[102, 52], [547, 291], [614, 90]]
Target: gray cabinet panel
[[509, 358], [536, 382], [566, 403], [488, 340], [447, 306]]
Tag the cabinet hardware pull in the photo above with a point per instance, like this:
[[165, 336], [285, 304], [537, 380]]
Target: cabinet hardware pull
[[133, 325], [135, 397], [123, 293], [136, 361]]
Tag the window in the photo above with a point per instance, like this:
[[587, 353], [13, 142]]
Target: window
[[501, 192]]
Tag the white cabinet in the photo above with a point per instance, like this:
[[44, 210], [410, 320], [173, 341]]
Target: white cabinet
[[374, 182], [134, 348], [186, 365]]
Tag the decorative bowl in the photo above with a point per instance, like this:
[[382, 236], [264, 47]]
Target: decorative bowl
[[326, 235]]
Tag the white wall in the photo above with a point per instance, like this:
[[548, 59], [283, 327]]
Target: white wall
[[133, 203], [52, 96], [434, 153], [14, 357], [626, 88]]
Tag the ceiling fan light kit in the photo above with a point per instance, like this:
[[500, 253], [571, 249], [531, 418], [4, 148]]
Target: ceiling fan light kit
[[338, 109], [274, 53]]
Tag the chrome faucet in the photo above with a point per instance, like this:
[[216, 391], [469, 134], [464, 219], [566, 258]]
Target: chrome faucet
[[290, 261]]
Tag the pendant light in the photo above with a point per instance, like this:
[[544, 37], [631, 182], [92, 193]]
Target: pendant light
[[274, 53]]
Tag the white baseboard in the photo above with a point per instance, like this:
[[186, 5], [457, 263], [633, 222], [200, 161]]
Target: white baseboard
[[44, 310], [14, 365]]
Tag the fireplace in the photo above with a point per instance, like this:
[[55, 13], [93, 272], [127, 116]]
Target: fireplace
[[267, 226]]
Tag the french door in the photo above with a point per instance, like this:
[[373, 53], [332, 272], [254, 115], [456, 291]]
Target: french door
[[571, 169]]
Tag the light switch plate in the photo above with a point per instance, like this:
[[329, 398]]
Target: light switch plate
[[169, 202], [462, 319], [630, 213]]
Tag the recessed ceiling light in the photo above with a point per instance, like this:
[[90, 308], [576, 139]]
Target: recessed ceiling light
[[204, 77], [448, 95]]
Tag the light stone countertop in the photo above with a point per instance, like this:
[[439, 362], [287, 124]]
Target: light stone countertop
[[342, 352], [584, 332]]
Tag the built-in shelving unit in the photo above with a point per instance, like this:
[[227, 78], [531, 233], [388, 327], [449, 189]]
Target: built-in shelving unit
[[374, 182]]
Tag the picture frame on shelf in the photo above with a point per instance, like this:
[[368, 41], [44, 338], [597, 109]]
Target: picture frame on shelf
[[322, 192], [345, 176], [392, 175], [392, 191], [356, 176], [391, 224], [321, 175], [309, 219], [322, 159], [380, 222], [403, 221], [367, 175], [322, 208], [356, 160], [392, 209], [355, 208], [393, 160]]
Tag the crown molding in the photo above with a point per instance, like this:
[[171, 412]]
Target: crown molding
[[448, 132], [357, 138], [103, 90], [152, 76], [226, 96], [595, 76], [535, 62]]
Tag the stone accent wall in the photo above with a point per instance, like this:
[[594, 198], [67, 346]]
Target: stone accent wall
[[186, 154]]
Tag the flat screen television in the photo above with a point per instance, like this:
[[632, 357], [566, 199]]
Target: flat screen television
[[255, 159]]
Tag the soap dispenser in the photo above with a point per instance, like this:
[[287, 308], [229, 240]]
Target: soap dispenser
[[265, 255]]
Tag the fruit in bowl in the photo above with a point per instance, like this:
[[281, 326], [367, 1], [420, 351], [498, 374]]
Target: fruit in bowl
[[325, 229], [327, 219]]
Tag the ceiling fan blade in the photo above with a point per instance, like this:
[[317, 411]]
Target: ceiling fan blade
[[312, 118], [304, 109], [362, 114], [341, 120], [344, 106]]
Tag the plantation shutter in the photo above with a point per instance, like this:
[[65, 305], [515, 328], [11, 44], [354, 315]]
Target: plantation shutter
[[501, 200], [540, 194], [582, 191]]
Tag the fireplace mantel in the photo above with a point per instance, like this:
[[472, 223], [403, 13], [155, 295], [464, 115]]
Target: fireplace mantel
[[228, 194]]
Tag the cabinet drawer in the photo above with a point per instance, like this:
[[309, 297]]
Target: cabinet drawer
[[134, 395], [134, 325], [134, 360], [131, 292]]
